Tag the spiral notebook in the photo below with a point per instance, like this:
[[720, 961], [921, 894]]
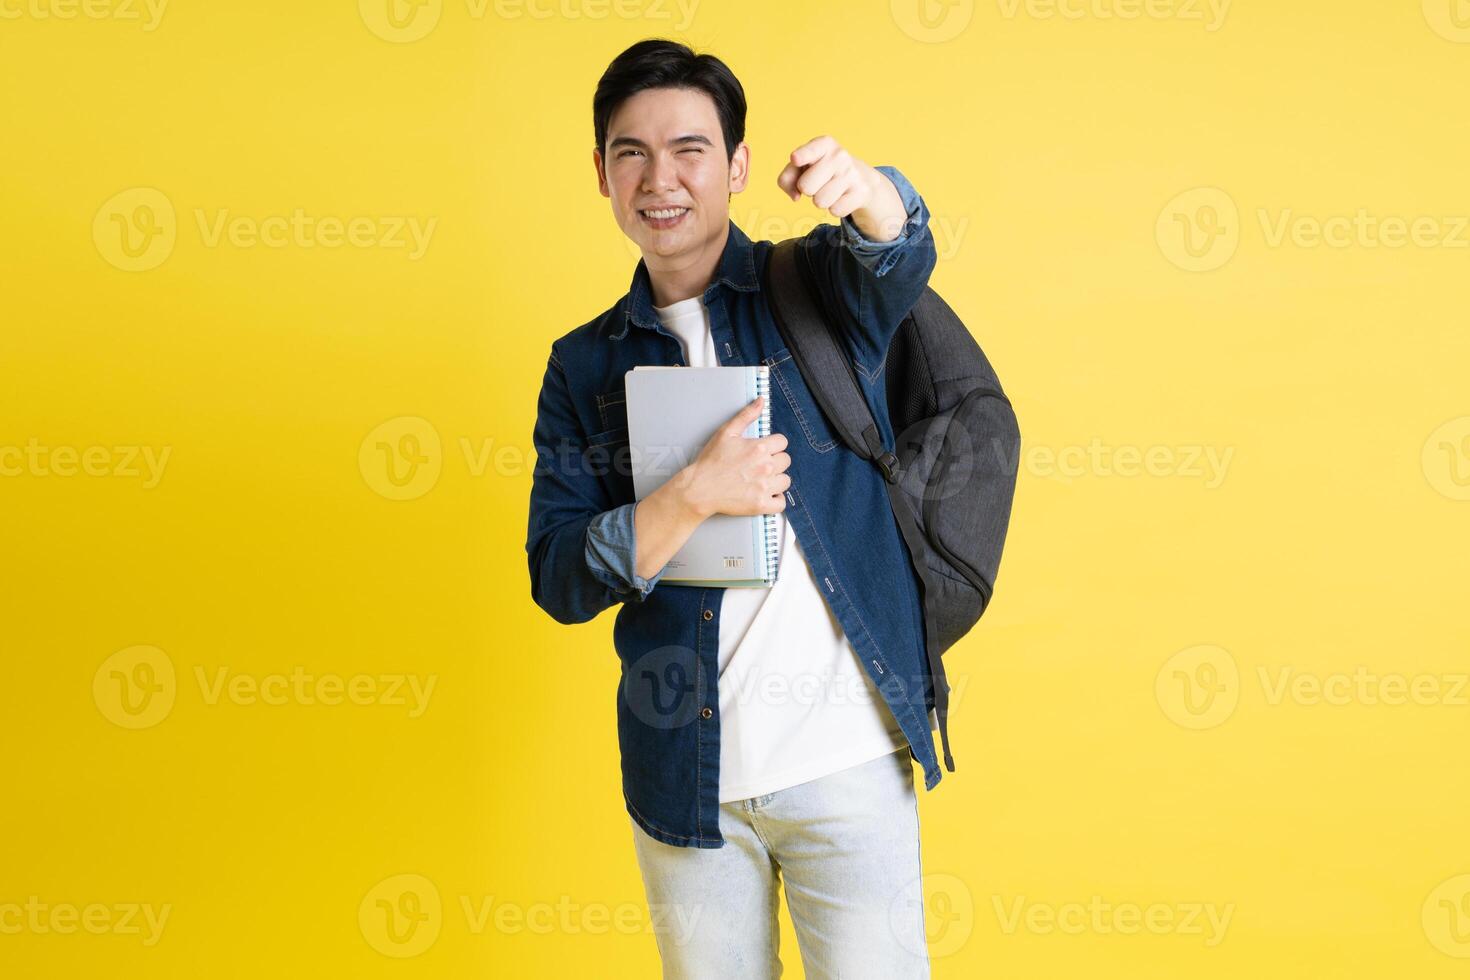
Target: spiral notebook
[[672, 413]]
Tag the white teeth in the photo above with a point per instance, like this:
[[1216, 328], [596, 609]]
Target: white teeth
[[667, 213]]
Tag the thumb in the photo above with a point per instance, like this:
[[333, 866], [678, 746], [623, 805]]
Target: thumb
[[742, 419]]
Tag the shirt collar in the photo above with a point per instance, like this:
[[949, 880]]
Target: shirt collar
[[736, 269]]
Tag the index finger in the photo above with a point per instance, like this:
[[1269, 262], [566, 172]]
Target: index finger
[[812, 150]]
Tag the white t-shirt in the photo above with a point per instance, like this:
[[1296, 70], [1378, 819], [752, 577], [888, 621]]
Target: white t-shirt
[[795, 703]]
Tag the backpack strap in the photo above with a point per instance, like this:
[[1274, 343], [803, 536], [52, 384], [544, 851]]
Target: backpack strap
[[813, 341], [819, 353]]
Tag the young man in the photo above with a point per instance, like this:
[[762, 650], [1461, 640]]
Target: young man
[[765, 734]]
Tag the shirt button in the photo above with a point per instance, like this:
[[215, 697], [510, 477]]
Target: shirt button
[[709, 614], [705, 713]]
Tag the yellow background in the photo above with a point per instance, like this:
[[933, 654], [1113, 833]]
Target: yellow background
[[1052, 149]]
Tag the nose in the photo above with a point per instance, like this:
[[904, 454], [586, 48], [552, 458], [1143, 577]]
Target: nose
[[659, 174]]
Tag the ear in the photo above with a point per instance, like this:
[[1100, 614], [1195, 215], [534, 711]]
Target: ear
[[601, 176], [740, 168]]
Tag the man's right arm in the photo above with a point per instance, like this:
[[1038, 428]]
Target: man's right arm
[[586, 554]]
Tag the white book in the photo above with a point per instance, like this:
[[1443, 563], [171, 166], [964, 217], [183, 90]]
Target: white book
[[672, 413]]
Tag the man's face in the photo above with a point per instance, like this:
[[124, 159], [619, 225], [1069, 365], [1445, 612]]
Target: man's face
[[666, 154]]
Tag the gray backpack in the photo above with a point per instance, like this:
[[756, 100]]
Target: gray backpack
[[952, 471]]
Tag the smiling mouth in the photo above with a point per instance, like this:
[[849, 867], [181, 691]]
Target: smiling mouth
[[663, 217]]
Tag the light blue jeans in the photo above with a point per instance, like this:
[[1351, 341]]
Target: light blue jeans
[[847, 847]]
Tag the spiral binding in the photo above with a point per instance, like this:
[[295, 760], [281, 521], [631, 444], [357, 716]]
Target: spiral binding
[[770, 526]]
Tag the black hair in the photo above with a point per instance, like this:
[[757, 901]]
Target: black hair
[[661, 63]]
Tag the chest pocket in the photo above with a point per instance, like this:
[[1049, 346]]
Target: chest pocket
[[607, 449], [786, 377], [612, 418]]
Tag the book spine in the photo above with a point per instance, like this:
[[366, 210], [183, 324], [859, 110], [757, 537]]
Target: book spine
[[770, 526]]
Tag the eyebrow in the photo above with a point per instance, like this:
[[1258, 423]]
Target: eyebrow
[[676, 141]]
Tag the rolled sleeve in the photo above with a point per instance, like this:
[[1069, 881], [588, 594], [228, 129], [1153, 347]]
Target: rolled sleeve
[[612, 553], [879, 257]]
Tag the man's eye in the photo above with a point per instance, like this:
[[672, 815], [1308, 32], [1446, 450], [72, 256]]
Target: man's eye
[[625, 153], [691, 149]]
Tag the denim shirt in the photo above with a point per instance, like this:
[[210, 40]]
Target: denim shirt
[[580, 540]]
